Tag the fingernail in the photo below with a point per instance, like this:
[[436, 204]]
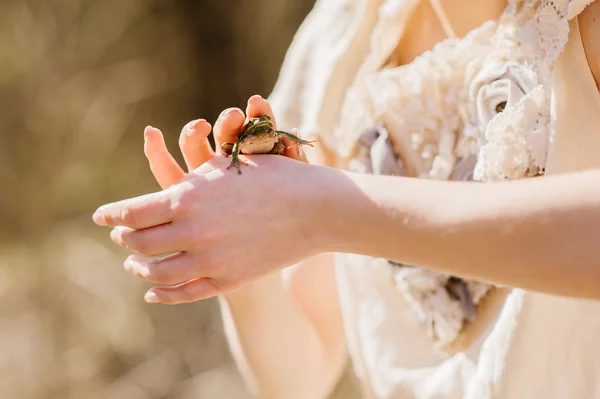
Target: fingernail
[[228, 112], [128, 265], [151, 297], [254, 97], [117, 237], [146, 131], [192, 125], [98, 218]]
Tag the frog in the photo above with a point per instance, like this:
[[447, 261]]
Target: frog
[[258, 136]]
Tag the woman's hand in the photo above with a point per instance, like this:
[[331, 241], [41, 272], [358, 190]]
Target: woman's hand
[[195, 146], [221, 228], [217, 239]]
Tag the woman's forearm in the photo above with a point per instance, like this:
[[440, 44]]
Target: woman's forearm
[[538, 234], [284, 347]]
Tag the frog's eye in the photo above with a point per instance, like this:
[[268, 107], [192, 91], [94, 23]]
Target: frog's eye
[[500, 107]]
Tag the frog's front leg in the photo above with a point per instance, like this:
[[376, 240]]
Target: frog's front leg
[[235, 158]]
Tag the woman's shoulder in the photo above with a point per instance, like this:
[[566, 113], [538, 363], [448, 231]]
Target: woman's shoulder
[[589, 26]]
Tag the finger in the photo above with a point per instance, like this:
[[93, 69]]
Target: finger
[[228, 126], [158, 240], [258, 106], [164, 167], [168, 270], [139, 212], [194, 143], [190, 291]]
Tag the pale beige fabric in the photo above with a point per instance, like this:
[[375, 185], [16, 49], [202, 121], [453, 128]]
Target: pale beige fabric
[[321, 64], [546, 346], [440, 110]]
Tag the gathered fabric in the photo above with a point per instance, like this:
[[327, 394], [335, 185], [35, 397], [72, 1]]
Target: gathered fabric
[[473, 108]]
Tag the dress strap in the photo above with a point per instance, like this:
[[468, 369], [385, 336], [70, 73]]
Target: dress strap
[[443, 18]]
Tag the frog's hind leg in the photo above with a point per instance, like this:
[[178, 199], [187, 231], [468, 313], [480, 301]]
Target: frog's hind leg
[[278, 148], [295, 138], [235, 158], [227, 148]]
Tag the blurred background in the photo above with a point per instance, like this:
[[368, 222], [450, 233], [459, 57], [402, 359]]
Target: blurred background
[[79, 81]]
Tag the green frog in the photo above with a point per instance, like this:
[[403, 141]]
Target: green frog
[[258, 137]]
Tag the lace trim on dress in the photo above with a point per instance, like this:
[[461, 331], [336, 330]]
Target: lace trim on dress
[[472, 108], [514, 144]]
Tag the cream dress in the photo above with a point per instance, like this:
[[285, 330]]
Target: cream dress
[[513, 99]]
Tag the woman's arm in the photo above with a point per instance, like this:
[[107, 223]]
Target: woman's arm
[[288, 339], [538, 234], [286, 336], [589, 27]]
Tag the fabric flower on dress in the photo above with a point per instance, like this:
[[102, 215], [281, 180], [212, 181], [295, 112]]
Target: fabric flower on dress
[[415, 121], [511, 110], [441, 302]]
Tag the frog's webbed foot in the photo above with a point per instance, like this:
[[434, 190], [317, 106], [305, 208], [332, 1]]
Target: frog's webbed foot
[[227, 148], [235, 159], [295, 138], [236, 162], [278, 148]]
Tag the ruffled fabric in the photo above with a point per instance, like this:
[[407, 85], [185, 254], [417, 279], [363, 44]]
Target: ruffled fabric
[[439, 301], [422, 104], [504, 66], [514, 143], [473, 108], [417, 120]]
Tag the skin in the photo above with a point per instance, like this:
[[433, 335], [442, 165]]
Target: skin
[[302, 298], [184, 219], [589, 26], [258, 136], [266, 309], [229, 122]]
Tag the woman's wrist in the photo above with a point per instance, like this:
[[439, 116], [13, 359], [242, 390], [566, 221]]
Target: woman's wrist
[[355, 215], [339, 210], [381, 216], [328, 202]]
